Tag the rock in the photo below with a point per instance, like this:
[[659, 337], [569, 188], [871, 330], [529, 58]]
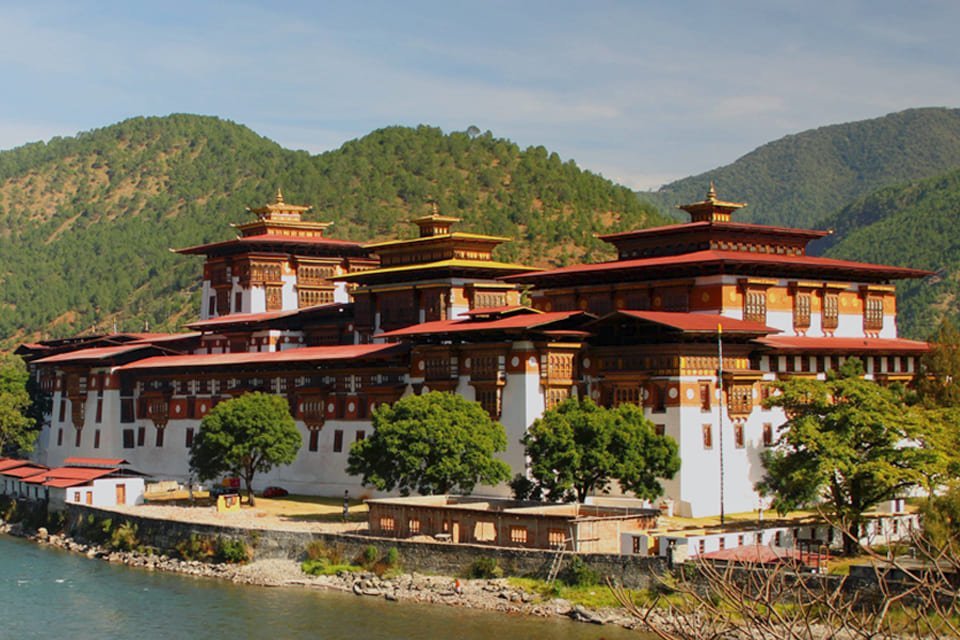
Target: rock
[[391, 596], [585, 615], [42, 533]]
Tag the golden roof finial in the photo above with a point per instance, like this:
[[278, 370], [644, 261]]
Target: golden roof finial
[[436, 209], [712, 192], [279, 196]]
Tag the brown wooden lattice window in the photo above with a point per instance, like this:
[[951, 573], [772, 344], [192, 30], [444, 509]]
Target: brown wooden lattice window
[[755, 306], [831, 311], [801, 310], [873, 313]]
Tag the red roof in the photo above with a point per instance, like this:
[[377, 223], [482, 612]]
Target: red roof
[[62, 477], [248, 318], [723, 226], [30, 469], [271, 239], [846, 345], [94, 462], [711, 257], [696, 322], [96, 353], [763, 554], [301, 354], [499, 311], [11, 463], [517, 321]]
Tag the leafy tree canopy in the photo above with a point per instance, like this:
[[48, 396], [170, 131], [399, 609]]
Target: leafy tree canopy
[[17, 430], [435, 443], [849, 444], [247, 435], [938, 379], [578, 447]]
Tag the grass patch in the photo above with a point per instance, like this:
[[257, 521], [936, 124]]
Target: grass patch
[[593, 596], [323, 567]]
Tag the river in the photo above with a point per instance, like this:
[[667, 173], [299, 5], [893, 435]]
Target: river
[[49, 593]]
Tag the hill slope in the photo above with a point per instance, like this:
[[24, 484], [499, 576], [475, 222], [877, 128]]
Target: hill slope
[[914, 225], [86, 222], [799, 179]]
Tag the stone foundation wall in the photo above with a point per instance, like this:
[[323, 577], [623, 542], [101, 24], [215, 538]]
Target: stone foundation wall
[[424, 557]]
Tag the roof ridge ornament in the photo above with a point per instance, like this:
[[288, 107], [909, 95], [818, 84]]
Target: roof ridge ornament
[[711, 209]]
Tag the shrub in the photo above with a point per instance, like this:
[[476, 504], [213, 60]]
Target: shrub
[[231, 551], [196, 548], [320, 550], [124, 537], [392, 559], [367, 557], [578, 574], [485, 568]]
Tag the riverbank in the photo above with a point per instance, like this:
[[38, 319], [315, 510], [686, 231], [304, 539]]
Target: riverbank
[[482, 594]]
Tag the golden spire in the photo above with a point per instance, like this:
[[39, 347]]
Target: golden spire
[[712, 192], [279, 199], [436, 209]]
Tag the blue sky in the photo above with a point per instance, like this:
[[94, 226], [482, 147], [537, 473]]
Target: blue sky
[[642, 92]]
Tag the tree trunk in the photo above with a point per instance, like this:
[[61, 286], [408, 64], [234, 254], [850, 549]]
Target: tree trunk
[[248, 480], [851, 539]]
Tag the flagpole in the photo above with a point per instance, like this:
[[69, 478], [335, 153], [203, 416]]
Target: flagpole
[[720, 417]]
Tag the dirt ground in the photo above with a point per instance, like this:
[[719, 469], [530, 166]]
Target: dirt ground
[[293, 513]]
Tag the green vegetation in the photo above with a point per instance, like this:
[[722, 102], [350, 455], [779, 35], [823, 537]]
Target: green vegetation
[[244, 436], [911, 225], [434, 443], [210, 549], [18, 429], [325, 560], [844, 446], [579, 447], [86, 222], [485, 568], [124, 537], [799, 179]]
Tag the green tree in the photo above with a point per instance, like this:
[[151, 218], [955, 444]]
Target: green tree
[[849, 444], [432, 444], [18, 430], [247, 435], [578, 447], [938, 378]]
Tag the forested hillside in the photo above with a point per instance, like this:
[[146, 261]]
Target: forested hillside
[[800, 179], [86, 222], [913, 225]]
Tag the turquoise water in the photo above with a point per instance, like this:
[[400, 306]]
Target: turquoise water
[[48, 593]]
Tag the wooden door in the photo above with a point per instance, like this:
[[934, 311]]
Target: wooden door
[[121, 494], [455, 531]]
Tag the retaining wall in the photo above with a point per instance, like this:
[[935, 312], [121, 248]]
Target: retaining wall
[[426, 557]]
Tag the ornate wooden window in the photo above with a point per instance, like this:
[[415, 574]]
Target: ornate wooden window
[[755, 305], [314, 440], [657, 398], [708, 436], [801, 310], [141, 436], [313, 297], [660, 429], [705, 396], [626, 395], [767, 434], [274, 298], [488, 299], [413, 526], [223, 301], [831, 310], [128, 438], [518, 535], [310, 274], [741, 398], [338, 440], [873, 313], [489, 399], [159, 440], [238, 301], [556, 395], [556, 537], [96, 438], [188, 440]]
